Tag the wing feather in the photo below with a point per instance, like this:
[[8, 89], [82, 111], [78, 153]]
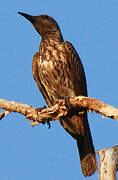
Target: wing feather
[[76, 70], [37, 79]]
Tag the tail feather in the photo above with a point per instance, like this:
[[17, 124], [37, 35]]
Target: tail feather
[[87, 156], [77, 126]]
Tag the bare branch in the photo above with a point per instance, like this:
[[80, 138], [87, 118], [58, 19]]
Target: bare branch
[[92, 104], [60, 109], [108, 163]]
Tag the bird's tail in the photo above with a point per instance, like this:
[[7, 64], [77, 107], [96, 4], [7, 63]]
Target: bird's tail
[[86, 150], [87, 156], [78, 128]]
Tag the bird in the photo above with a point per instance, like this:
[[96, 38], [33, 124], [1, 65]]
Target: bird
[[59, 74]]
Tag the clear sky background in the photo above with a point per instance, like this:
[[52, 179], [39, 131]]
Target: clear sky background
[[39, 152]]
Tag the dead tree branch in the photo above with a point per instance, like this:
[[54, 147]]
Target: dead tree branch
[[59, 109], [108, 163]]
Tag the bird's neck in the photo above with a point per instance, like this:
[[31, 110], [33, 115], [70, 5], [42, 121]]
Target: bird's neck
[[50, 41], [54, 36]]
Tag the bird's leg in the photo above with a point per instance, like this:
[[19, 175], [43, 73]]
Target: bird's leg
[[67, 101], [79, 111]]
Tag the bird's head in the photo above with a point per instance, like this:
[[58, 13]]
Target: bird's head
[[44, 24]]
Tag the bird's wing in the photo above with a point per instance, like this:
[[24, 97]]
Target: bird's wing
[[78, 125], [37, 79], [76, 69]]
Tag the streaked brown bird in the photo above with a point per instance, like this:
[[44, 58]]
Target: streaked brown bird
[[59, 73]]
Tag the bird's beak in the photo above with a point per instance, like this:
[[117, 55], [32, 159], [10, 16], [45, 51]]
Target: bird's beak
[[28, 17]]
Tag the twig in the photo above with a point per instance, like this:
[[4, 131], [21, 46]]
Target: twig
[[4, 113]]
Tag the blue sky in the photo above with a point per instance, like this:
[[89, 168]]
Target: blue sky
[[39, 152]]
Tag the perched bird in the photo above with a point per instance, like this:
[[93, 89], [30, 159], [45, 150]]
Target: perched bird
[[59, 73]]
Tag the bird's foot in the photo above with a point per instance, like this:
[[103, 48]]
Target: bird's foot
[[67, 102], [39, 110], [29, 117]]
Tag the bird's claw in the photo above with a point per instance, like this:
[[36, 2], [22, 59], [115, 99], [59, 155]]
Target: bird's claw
[[29, 117], [40, 109], [49, 125]]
